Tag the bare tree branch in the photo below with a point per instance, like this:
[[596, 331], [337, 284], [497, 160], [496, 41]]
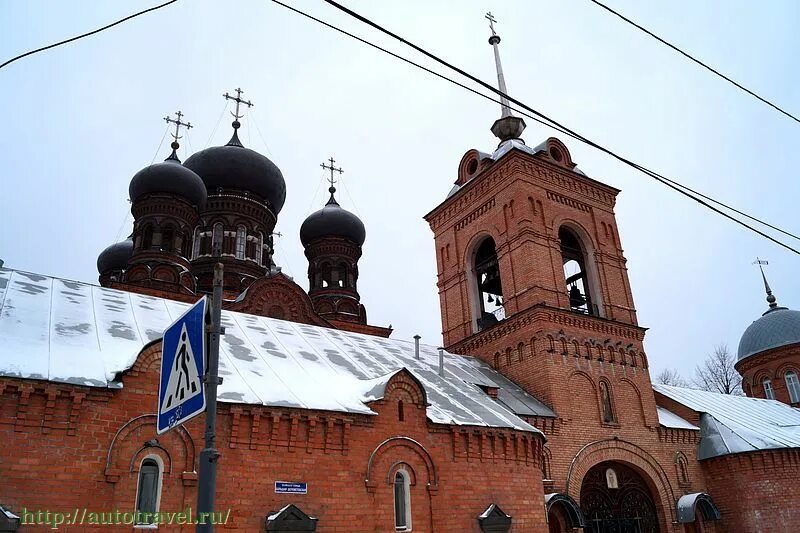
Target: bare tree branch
[[717, 373], [670, 376]]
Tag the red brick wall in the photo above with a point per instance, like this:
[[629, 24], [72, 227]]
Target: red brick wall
[[756, 492], [57, 454]]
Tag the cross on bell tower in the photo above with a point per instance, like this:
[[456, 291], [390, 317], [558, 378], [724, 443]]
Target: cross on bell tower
[[175, 136], [507, 126]]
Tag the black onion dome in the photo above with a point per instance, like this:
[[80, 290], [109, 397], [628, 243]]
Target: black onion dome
[[115, 257], [235, 167], [168, 177], [332, 221]]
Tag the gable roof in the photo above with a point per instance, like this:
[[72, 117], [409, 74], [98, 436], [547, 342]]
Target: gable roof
[[735, 424], [73, 332]]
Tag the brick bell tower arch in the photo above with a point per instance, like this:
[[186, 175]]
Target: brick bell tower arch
[[562, 298]]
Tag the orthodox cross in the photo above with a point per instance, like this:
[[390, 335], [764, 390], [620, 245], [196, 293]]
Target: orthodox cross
[[238, 99], [332, 169], [178, 123], [491, 20]]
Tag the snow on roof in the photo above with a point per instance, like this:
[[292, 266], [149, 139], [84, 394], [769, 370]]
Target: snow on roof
[[73, 332], [669, 419], [735, 424]]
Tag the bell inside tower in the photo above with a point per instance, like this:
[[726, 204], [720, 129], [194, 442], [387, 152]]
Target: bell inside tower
[[490, 289], [574, 263]]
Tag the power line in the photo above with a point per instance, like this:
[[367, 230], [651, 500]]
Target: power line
[[552, 123], [695, 60], [98, 30]]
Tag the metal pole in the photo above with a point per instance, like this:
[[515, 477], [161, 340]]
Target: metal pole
[[207, 484]]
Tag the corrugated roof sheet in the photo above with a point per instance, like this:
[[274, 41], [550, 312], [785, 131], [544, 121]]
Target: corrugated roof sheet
[[73, 332], [734, 424]]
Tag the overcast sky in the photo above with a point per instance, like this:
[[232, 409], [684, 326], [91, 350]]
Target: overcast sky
[[80, 120]]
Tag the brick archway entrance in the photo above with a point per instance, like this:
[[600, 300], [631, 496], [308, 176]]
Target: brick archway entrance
[[616, 499]]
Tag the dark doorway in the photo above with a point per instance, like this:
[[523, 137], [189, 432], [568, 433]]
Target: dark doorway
[[615, 499]]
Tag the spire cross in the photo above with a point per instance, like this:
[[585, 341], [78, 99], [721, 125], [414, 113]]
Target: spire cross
[[239, 100], [491, 20], [770, 297], [332, 169], [178, 123]]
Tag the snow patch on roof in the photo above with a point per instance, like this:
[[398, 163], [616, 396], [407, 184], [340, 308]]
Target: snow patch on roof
[[669, 419], [72, 332]]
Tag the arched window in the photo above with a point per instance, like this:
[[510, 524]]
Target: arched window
[[769, 392], [490, 290], [573, 259], [401, 416], [148, 492], [196, 243], [168, 239], [605, 400], [402, 501], [147, 237], [216, 238], [241, 241], [260, 249], [326, 274], [793, 385]]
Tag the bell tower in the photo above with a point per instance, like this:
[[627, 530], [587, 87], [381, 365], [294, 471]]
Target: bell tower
[[531, 273]]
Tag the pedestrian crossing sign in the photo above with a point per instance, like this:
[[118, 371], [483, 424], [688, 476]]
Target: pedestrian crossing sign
[[181, 395]]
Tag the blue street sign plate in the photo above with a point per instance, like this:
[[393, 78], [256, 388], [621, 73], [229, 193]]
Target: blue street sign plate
[[181, 394], [291, 487]]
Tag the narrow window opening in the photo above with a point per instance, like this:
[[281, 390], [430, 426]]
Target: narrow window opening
[[260, 249], [168, 239], [216, 238], [148, 491], [241, 240], [605, 398], [793, 384], [490, 289], [401, 416], [769, 392], [402, 502], [575, 274]]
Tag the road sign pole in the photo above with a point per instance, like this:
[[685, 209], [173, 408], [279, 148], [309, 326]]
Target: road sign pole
[[207, 484]]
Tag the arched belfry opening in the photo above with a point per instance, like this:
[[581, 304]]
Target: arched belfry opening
[[576, 273], [490, 308]]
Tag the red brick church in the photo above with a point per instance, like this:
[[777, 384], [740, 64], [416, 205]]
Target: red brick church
[[538, 415]]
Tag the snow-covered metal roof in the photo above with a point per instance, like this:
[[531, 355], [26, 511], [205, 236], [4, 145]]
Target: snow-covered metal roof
[[735, 424], [668, 419], [74, 332]]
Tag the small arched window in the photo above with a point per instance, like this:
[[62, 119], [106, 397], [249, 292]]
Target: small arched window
[[402, 501], [793, 385], [605, 400], [573, 258], [260, 249], [148, 492], [196, 243], [241, 241], [147, 237], [216, 238], [769, 392], [168, 239], [401, 415], [490, 289]]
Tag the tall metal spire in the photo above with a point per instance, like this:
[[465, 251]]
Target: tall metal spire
[[507, 126], [175, 136], [236, 116], [771, 300]]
